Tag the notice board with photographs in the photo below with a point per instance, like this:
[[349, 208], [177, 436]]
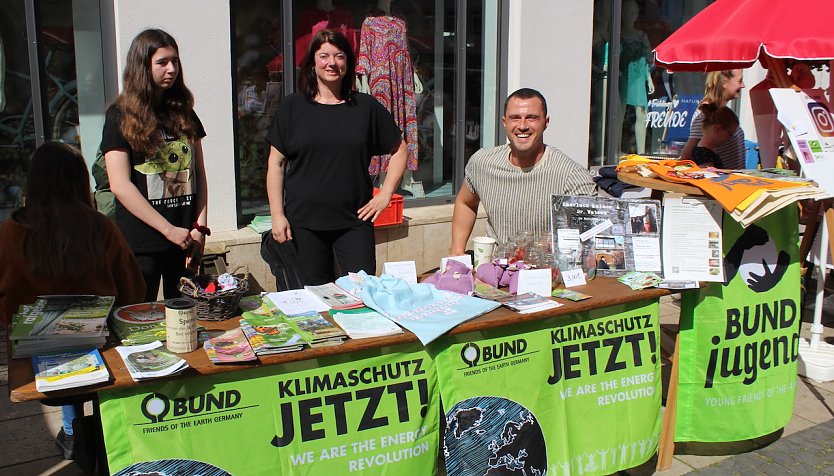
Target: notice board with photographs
[[624, 234]]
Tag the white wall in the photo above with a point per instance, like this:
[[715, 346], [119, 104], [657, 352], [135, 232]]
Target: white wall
[[550, 50], [201, 28]]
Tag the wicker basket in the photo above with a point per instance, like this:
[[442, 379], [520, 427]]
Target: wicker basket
[[220, 305]]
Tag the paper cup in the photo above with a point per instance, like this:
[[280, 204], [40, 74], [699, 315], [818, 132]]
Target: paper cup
[[484, 248]]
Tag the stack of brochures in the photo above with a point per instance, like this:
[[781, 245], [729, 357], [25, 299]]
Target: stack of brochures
[[316, 330], [261, 223], [60, 370], [528, 303], [139, 323], [335, 297], [151, 360], [229, 347], [58, 323], [364, 322], [270, 334], [637, 280]]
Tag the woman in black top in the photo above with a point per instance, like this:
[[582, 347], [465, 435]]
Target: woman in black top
[[152, 147], [322, 140]]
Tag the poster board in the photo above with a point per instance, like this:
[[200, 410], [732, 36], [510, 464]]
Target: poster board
[[625, 232], [810, 128]]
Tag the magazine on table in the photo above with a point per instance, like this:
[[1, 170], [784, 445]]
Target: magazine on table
[[229, 347], [316, 330], [625, 233], [364, 322], [139, 323], [62, 317], [270, 334], [529, 302], [335, 297], [61, 370], [151, 360]]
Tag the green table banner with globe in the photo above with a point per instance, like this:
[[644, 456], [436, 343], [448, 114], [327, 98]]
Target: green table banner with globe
[[364, 413], [739, 340], [577, 394]]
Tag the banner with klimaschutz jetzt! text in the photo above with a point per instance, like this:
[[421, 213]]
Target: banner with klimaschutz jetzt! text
[[739, 340], [576, 394], [365, 413]]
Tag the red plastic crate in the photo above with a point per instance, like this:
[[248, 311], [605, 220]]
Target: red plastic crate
[[393, 214]]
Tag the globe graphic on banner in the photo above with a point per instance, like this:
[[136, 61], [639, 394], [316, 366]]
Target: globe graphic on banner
[[492, 436]]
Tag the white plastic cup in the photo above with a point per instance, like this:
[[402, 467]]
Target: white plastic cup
[[484, 248]]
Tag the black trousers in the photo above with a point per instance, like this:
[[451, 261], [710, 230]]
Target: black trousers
[[353, 248], [167, 265]]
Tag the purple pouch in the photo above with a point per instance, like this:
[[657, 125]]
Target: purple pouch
[[455, 277], [489, 273]]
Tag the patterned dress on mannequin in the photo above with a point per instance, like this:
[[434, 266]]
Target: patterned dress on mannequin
[[384, 59]]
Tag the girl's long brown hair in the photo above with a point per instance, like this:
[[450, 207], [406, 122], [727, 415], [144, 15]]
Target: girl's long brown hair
[[65, 233], [143, 117]]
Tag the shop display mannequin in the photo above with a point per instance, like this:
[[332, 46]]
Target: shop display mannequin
[[635, 79], [385, 71], [599, 76]]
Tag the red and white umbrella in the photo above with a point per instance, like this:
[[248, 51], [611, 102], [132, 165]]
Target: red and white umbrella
[[734, 34]]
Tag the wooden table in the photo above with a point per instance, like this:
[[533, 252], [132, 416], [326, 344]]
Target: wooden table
[[657, 184], [604, 291]]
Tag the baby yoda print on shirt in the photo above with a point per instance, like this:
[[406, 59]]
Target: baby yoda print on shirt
[[168, 174]]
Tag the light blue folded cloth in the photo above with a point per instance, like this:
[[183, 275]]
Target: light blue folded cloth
[[421, 308]]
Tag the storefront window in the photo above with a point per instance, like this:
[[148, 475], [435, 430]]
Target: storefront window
[[636, 108], [423, 71], [20, 118]]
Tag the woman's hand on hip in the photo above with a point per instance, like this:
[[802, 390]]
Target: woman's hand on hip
[[179, 236], [281, 229], [373, 208]]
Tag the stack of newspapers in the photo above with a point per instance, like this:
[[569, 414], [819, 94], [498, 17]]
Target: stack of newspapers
[[60, 323]]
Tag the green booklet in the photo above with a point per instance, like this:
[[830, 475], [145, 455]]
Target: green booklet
[[315, 329], [62, 317], [270, 334]]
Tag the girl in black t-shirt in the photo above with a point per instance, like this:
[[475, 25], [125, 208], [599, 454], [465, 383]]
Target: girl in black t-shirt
[[152, 147], [322, 140]]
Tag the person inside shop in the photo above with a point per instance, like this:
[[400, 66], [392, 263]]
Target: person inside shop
[[721, 87], [152, 148], [59, 244], [719, 126], [514, 181], [321, 143]]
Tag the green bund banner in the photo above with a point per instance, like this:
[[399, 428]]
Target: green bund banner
[[364, 413], [578, 394], [739, 341]]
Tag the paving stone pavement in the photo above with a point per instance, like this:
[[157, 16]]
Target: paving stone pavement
[[807, 452]]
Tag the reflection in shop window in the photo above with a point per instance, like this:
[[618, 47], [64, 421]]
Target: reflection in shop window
[[652, 109], [60, 94]]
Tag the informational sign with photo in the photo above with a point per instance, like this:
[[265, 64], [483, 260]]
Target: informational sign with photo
[[810, 127], [625, 234]]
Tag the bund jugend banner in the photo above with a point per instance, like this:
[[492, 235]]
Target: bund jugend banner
[[577, 394], [739, 340], [360, 413]]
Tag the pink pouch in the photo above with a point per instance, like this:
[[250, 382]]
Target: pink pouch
[[455, 277]]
